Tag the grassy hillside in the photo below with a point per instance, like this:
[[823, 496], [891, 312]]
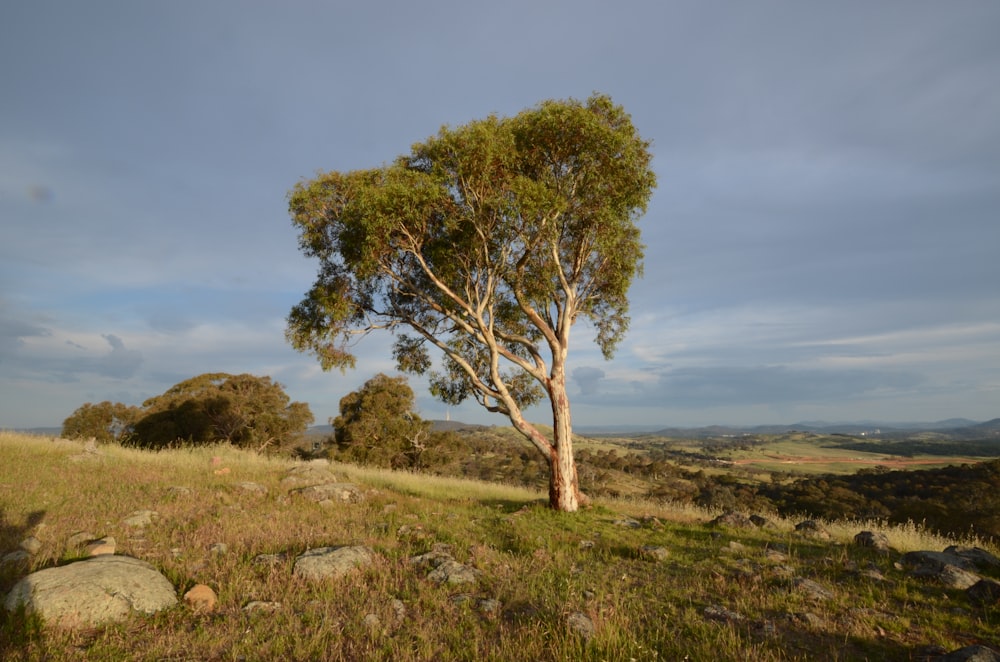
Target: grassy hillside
[[654, 580]]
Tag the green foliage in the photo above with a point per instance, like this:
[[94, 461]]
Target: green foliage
[[107, 422], [488, 241], [243, 410], [377, 426]]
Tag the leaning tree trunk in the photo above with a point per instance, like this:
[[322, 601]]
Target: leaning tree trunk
[[564, 489]]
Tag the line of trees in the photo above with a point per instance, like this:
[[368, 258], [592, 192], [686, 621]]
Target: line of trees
[[243, 410]]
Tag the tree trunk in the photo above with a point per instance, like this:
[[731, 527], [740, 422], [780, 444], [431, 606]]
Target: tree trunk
[[564, 489]]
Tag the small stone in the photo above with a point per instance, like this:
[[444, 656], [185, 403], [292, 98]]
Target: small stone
[[628, 523], [452, 572], [31, 545], [720, 613], [105, 545], [270, 559], [654, 552], [984, 593], [253, 488], [372, 622], [733, 520], [219, 548], [874, 540], [581, 625], [261, 607], [488, 606], [811, 589], [810, 528], [331, 492], [201, 598], [140, 518]]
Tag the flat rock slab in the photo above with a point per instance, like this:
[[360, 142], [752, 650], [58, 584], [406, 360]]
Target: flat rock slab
[[331, 562], [96, 590], [334, 492]]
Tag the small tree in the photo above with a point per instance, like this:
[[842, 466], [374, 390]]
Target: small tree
[[377, 425], [243, 410], [106, 422], [489, 241]]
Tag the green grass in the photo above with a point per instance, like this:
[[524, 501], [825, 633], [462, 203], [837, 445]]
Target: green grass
[[539, 565]]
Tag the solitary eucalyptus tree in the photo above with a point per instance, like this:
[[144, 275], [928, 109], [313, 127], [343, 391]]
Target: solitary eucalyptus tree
[[488, 241]]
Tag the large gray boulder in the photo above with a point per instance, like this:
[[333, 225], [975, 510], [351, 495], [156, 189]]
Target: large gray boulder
[[99, 589]]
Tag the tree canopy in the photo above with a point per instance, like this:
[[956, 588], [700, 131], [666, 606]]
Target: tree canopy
[[243, 410], [377, 425], [487, 242]]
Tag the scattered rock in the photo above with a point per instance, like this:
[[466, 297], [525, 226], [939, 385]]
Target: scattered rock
[[261, 607], [31, 545], [936, 560], [80, 538], [761, 522], [979, 558], [331, 492], [810, 528], [253, 488], [452, 572], [720, 613], [654, 552], [971, 654], [984, 593], [202, 598], [627, 522], [101, 546], [140, 518], [313, 473], [445, 569], [103, 588], [875, 540], [332, 562], [270, 559], [811, 589], [581, 625], [219, 548]]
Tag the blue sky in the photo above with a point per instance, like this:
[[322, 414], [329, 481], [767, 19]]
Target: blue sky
[[822, 245]]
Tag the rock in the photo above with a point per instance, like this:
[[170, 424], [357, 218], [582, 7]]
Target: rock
[[312, 473], [948, 569], [253, 488], [452, 572], [332, 562], [446, 570], [333, 492], [581, 625], [877, 541], [96, 590], [140, 518], [627, 522], [80, 538], [720, 613], [971, 654], [202, 598], [219, 548], [261, 607], [936, 560], [761, 522], [978, 557], [270, 559], [654, 552], [811, 589], [984, 593], [101, 546], [31, 545], [810, 528]]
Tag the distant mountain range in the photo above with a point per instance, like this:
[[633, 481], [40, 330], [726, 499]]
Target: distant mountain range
[[952, 428]]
